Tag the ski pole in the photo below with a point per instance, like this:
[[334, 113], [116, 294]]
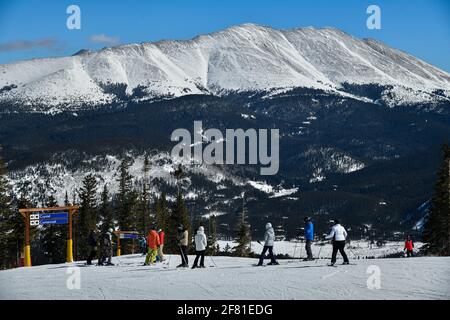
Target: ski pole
[[318, 255], [295, 248], [183, 258], [301, 249], [215, 265], [352, 252]]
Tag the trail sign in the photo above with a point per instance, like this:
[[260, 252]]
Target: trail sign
[[128, 236], [57, 215], [63, 215], [54, 221]]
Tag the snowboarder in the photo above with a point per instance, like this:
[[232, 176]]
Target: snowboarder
[[106, 248], [200, 247], [92, 245], [269, 239], [409, 246], [309, 237], [161, 235], [338, 236], [183, 241], [152, 244]]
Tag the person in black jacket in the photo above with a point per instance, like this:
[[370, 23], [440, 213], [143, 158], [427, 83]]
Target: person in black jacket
[[106, 248], [92, 246]]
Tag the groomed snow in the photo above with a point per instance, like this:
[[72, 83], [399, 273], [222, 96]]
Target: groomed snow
[[233, 278], [357, 249]]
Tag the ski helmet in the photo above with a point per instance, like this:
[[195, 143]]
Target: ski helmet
[[307, 219], [335, 221]]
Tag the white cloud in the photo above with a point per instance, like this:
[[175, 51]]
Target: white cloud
[[104, 39]]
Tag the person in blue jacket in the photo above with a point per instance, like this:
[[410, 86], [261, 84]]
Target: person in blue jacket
[[309, 237]]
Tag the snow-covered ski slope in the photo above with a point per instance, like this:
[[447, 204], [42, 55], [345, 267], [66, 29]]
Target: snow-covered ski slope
[[233, 278], [357, 249]]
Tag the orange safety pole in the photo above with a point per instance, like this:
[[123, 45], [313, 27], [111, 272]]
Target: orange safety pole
[[27, 249]]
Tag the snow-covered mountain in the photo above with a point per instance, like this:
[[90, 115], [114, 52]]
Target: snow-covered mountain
[[242, 58]]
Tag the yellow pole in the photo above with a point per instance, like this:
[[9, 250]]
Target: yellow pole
[[69, 256], [27, 253], [118, 245], [27, 261]]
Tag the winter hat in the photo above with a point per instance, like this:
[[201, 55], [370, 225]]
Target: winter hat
[[306, 219], [336, 221], [268, 225], [159, 230], [110, 230], [201, 229], [180, 227]]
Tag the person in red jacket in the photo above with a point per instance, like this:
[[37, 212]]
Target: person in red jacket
[[153, 243], [409, 246], [161, 235]]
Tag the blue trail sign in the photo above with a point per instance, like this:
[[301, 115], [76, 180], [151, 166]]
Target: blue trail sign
[[52, 216], [128, 236], [54, 221]]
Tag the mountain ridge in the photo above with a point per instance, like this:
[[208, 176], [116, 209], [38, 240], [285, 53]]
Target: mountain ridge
[[246, 57]]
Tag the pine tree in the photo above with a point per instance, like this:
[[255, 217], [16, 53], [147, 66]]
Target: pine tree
[[437, 228], [243, 236], [126, 203], [11, 225], [144, 200], [162, 214], [212, 235], [53, 238], [178, 216], [66, 199], [86, 219], [105, 211]]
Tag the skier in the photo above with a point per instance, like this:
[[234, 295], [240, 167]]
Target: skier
[[269, 238], [106, 248], [309, 237], [161, 235], [183, 241], [338, 236], [152, 244], [409, 247], [200, 247], [92, 245], [143, 245]]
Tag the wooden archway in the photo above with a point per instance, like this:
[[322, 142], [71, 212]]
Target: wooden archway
[[28, 212]]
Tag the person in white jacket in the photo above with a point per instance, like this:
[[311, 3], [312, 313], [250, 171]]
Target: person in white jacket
[[269, 239], [338, 236], [200, 247]]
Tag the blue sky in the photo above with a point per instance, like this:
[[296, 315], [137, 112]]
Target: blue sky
[[37, 28]]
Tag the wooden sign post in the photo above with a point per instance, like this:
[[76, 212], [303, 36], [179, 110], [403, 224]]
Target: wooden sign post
[[50, 218], [125, 235]]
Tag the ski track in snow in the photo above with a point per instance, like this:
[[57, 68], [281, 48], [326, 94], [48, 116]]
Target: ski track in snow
[[234, 278]]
